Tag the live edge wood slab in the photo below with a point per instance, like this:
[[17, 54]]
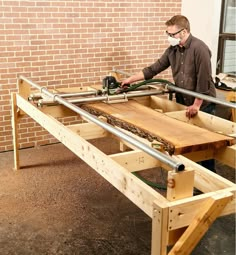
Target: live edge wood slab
[[177, 137]]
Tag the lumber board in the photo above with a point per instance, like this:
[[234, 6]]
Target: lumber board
[[178, 137], [15, 132], [136, 160], [182, 212], [227, 155], [204, 120], [159, 229], [58, 111], [88, 130], [205, 180], [207, 121]]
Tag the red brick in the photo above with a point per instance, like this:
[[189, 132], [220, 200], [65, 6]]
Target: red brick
[[61, 43]]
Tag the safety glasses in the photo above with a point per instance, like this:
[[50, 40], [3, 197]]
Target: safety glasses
[[173, 34]]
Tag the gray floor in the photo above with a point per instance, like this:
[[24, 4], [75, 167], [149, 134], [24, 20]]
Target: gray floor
[[56, 204]]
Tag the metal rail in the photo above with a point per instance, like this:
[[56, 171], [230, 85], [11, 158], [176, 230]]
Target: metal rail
[[189, 92], [78, 94], [121, 72], [202, 96], [178, 166], [34, 96], [106, 98]]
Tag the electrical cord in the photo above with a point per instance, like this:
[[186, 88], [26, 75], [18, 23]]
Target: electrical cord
[[135, 86], [150, 183]]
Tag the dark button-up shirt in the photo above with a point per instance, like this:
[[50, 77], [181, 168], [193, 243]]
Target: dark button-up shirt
[[191, 68]]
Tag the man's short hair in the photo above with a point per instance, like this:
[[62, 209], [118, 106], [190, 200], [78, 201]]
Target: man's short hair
[[180, 21]]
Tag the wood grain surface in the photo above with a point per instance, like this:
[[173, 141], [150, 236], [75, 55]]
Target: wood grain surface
[[178, 137]]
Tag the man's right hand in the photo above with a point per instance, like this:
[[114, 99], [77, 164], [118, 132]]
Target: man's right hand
[[126, 82], [136, 77]]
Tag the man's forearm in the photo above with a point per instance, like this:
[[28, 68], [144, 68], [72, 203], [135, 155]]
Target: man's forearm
[[136, 77], [198, 102]]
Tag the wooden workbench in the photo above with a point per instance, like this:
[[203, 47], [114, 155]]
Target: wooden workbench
[[179, 219]]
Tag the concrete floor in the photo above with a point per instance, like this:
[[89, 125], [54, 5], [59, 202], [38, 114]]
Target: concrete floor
[[56, 204]]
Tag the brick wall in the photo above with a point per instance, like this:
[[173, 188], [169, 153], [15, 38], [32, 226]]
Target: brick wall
[[70, 43]]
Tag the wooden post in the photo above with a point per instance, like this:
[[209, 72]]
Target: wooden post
[[159, 229], [180, 184], [15, 132], [231, 97], [123, 147]]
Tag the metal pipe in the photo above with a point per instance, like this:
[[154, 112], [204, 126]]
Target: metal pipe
[[33, 97], [201, 96], [106, 98], [115, 97], [154, 153], [87, 93], [121, 72]]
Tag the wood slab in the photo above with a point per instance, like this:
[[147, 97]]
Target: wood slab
[[178, 137]]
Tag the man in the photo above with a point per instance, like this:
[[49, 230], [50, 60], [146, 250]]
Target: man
[[190, 61]]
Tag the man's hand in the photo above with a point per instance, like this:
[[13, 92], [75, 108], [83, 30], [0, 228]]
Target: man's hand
[[125, 83], [136, 77], [192, 111]]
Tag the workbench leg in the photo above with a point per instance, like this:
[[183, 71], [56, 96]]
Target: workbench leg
[[208, 213], [159, 230], [123, 147], [179, 185], [15, 132]]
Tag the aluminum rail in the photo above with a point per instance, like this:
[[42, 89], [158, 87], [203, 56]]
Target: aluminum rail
[[106, 98], [42, 101], [121, 72], [137, 94], [64, 95], [177, 166], [201, 96], [188, 92], [116, 97], [84, 93]]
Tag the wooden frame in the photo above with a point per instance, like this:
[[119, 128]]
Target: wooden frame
[[179, 219]]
